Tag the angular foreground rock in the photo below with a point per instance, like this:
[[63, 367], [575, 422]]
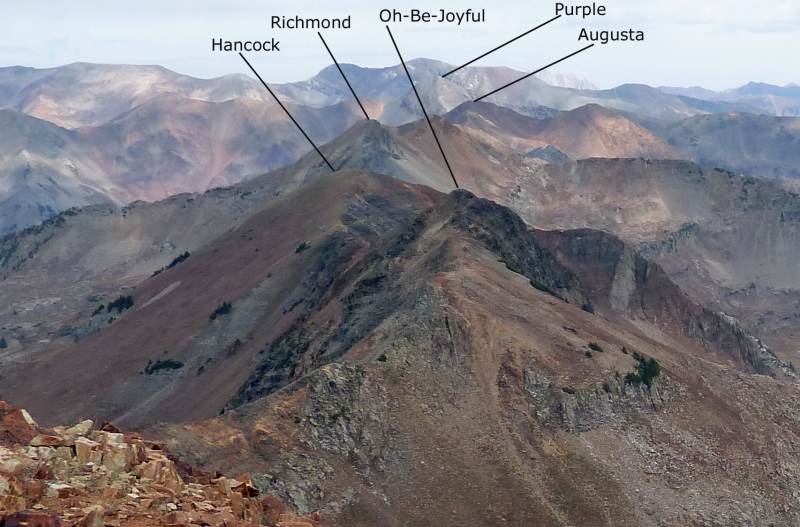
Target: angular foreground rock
[[83, 477]]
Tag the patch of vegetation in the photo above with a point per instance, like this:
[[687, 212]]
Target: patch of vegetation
[[302, 247], [222, 309], [647, 370], [159, 365], [180, 258], [624, 350], [568, 389], [383, 357], [99, 309], [511, 266], [606, 387], [589, 354], [3, 343], [120, 304], [541, 287], [594, 346], [589, 308]]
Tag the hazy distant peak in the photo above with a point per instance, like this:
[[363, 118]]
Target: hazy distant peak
[[429, 66], [566, 80]]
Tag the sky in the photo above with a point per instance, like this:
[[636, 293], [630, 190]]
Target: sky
[[716, 44]]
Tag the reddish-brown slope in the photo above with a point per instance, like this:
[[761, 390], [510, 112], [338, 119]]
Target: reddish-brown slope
[[476, 403], [585, 132], [255, 266]]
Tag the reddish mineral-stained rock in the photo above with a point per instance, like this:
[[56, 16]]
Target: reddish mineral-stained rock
[[28, 518], [81, 477]]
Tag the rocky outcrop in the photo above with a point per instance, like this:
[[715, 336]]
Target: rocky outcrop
[[623, 280], [585, 409], [504, 233], [82, 477]]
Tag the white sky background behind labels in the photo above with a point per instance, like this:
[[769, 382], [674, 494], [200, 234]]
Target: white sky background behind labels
[[716, 44]]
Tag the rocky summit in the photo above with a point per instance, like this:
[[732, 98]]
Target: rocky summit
[[89, 477]]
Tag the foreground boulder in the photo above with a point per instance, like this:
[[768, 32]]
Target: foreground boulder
[[81, 477]]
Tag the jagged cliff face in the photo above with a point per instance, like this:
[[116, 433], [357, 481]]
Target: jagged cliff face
[[624, 281]]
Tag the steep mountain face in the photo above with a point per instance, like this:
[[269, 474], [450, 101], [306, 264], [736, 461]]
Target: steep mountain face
[[748, 144], [260, 266], [165, 146], [43, 170], [171, 145], [621, 279]]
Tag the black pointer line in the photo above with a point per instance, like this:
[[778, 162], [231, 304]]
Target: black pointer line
[[343, 75], [532, 73], [500, 46], [423, 107], [287, 113]]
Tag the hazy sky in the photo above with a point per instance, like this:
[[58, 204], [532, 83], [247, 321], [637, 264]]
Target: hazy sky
[[716, 44]]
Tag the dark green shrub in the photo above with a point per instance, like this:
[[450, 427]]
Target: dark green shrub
[[647, 370], [383, 357], [633, 378], [302, 247], [569, 390], [99, 309], [624, 350], [120, 304], [159, 365], [3, 343], [606, 387], [541, 287], [222, 309], [589, 308], [179, 259], [510, 266], [594, 346], [589, 354]]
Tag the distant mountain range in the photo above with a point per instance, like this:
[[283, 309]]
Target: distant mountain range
[[767, 98], [88, 133]]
